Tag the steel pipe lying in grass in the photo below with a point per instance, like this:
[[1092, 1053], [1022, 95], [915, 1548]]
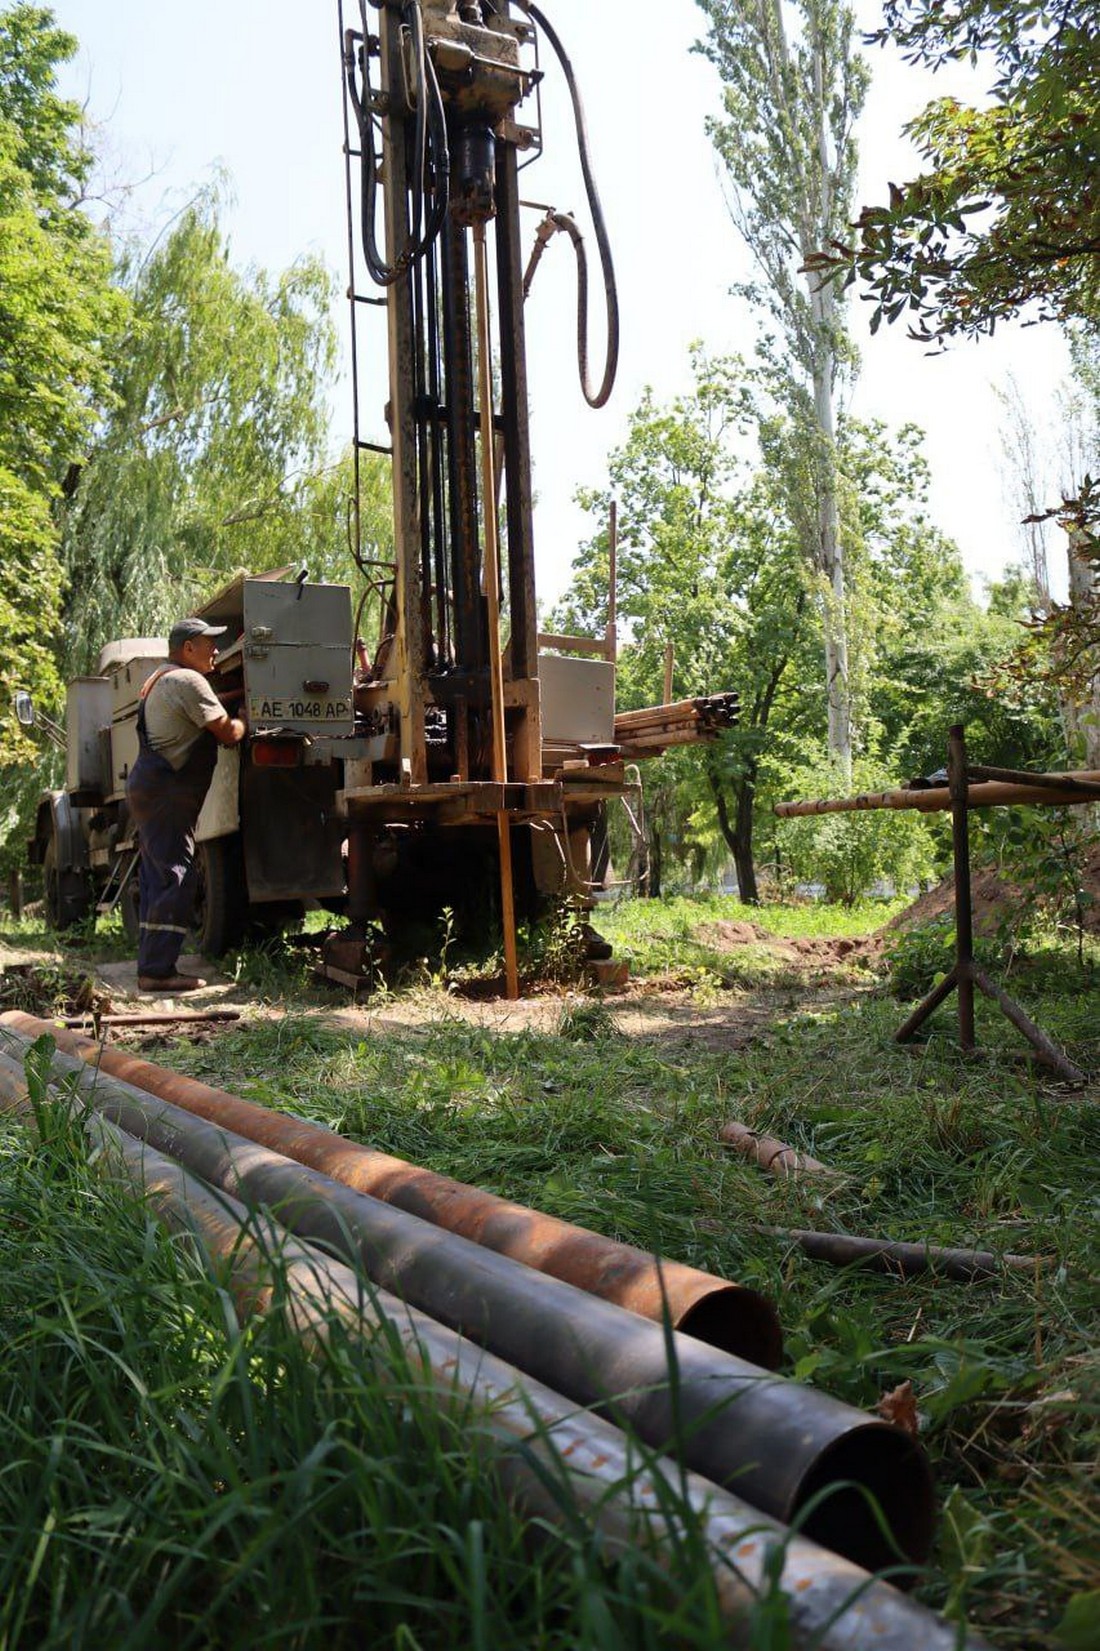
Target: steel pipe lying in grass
[[884, 1255], [553, 1462], [777, 1442], [725, 1315]]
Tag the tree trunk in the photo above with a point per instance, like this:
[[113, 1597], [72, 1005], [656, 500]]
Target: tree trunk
[[831, 564], [653, 865], [738, 834], [1082, 719], [830, 549]]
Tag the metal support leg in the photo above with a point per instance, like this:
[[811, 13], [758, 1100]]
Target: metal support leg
[[967, 973], [964, 912]]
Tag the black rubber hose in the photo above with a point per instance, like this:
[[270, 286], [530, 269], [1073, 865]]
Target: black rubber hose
[[431, 139], [611, 361], [551, 224], [412, 19]]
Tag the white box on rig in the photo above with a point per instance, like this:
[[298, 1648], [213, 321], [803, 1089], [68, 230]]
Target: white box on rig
[[577, 697]]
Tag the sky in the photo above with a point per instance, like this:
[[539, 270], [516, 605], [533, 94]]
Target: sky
[[252, 90]]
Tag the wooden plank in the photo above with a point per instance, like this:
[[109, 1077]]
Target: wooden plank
[[594, 645]]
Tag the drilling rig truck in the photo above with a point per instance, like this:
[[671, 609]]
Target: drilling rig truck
[[461, 757]]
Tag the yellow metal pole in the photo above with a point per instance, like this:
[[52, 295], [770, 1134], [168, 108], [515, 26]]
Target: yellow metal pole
[[492, 594], [613, 582]]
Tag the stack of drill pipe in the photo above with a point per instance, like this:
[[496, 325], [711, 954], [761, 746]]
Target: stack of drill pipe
[[655, 727], [724, 1314], [779, 1443], [550, 1460], [935, 799]]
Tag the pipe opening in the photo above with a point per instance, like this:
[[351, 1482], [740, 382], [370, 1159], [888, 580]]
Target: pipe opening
[[738, 1321], [890, 1466]]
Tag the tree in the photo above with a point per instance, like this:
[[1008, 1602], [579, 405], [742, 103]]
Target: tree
[[58, 313], [787, 144], [1026, 485], [709, 559], [1005, 219], [208, 454]]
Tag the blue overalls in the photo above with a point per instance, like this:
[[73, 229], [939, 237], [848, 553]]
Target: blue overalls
[[165, 804]]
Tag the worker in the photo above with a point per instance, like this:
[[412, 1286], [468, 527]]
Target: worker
[[181, 723]]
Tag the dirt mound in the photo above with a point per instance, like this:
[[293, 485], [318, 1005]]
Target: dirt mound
[[990, 897], [993, 899], [725, 935]]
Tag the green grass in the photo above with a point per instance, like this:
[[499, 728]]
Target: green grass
[[102, 938], [679, 916], [173, 1478], [681, 938], [176, 1437]]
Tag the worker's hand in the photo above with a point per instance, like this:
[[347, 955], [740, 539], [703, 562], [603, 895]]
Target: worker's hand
[[227, 730]]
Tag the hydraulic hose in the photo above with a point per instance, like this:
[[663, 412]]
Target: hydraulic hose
[[611, 359], [431, 140]]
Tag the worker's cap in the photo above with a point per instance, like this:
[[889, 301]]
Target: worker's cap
[[186, 630]]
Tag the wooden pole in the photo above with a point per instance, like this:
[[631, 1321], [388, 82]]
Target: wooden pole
[[612, 582], [964, 911], [1047, 782], [492, 594], [669, 658], [967, 973], [937, 799]]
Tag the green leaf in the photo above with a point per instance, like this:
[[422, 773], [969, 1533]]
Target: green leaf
[[1079, 1629]]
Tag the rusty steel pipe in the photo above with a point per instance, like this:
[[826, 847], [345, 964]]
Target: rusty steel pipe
[[886, 1255], [778, 1442], [549, 1459], [725, 1315]]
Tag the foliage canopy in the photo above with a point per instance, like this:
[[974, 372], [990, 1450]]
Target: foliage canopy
[[57, 312], [1005, 220]]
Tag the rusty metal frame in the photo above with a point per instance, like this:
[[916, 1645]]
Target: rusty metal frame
[[967, 972]]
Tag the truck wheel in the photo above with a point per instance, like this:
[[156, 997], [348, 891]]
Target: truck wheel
[[129, 905], [221, 904], [66, 895]]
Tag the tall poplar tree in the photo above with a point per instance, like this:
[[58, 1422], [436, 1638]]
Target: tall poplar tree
[[792, 90]]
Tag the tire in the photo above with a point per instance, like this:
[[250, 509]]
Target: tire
[[66, 895], [129, 905], [273, 917], [221, 900]]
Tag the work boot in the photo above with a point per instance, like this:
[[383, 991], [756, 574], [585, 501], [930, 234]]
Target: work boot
[[163, 985]]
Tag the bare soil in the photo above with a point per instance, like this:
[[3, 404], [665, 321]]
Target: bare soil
[[667, 1010], [726, 936], [990, 897], [823, 972]]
